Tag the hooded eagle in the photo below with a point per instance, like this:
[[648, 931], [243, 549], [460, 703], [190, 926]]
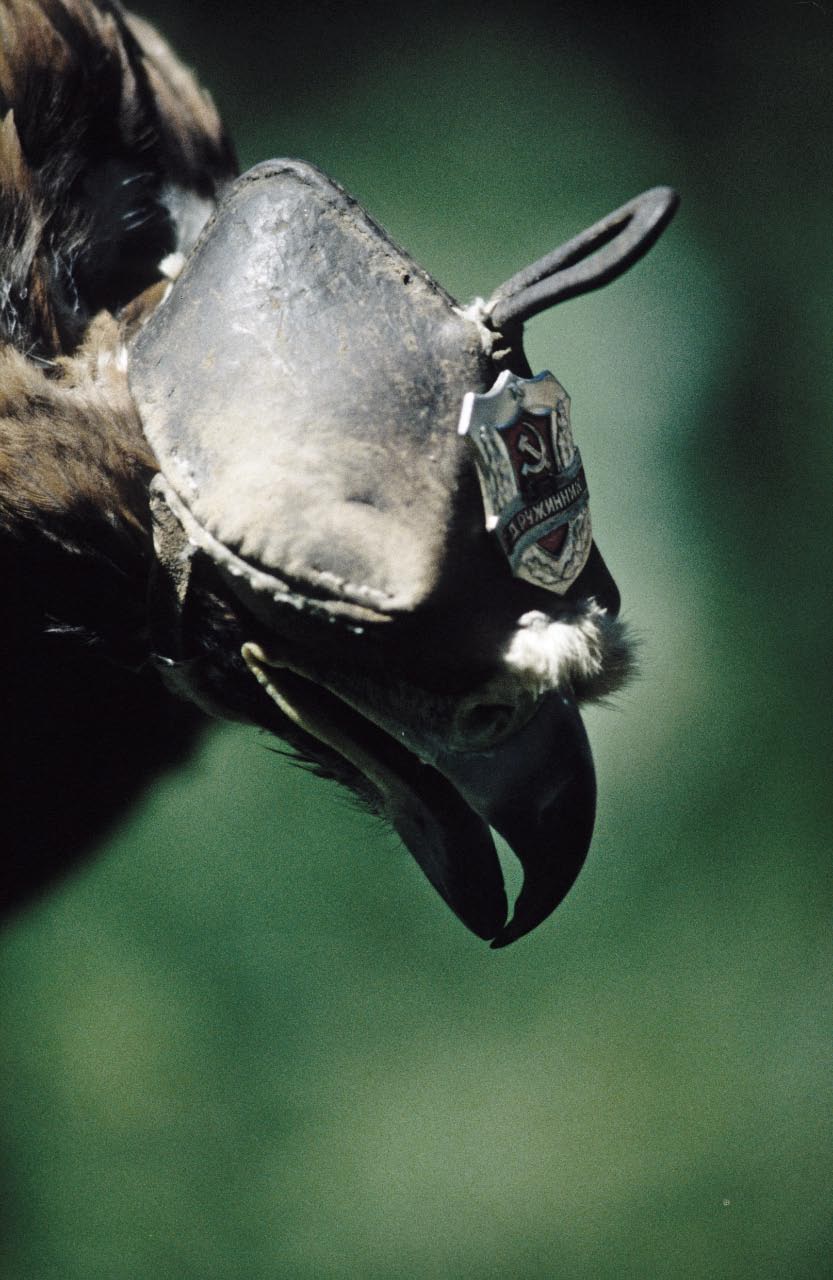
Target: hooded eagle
[[255, 462]]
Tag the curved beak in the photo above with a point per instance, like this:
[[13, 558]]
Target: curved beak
[[538, 790]]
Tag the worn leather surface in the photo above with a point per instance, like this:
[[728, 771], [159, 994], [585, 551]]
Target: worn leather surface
[[301, 387]]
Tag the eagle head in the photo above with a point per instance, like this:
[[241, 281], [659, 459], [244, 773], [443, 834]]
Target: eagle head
[[257, 451]]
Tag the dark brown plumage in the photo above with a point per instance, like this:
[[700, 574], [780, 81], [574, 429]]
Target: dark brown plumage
[[110, 159]]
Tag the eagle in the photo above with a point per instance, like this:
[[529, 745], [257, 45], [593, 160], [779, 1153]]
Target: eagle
[[256, 464]]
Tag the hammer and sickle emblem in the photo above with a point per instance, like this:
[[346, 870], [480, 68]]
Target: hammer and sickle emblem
[[532, 446]]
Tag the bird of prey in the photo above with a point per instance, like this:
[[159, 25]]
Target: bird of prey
[[256, 463]]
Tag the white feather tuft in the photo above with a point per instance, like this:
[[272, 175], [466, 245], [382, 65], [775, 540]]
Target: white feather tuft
[[547, 655]]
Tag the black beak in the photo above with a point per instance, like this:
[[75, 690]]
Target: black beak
[[538, 790]]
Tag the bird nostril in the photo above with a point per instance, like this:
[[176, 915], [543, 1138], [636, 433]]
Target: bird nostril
[[482, 722], [486, 720]]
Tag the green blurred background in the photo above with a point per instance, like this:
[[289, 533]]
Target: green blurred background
[[249, 1040]]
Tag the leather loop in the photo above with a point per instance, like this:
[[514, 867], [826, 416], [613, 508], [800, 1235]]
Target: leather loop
[[591, 259]]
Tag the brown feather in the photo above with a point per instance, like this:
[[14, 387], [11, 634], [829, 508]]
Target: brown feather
[[111, 156], [110, 159]]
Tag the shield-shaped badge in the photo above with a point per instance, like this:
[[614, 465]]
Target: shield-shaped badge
[[531, 476]]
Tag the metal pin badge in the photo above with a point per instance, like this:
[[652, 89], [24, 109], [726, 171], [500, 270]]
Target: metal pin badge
[[531, 477]]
